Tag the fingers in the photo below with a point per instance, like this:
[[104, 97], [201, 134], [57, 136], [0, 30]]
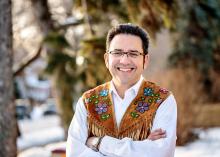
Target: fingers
[[157, 134], [156, 137], [89, 141]]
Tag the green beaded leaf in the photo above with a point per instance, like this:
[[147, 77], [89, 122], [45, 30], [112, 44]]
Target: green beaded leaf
[[150, 100], [105, 116], [134, 115], [155, 99], [156, 95], [96, 102]]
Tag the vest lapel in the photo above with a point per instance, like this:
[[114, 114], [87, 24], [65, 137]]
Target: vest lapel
[[100, 109]]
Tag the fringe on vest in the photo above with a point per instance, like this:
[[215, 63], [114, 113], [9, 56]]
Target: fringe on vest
[[138, 131]]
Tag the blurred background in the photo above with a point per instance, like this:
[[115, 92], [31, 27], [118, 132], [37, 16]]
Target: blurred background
[[51, 51]]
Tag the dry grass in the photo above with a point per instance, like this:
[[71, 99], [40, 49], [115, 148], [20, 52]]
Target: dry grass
[[209, 115], [215, 77]]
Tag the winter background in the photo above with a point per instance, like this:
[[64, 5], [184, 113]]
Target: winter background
[[41, 130], [40, 125], [41, 134]]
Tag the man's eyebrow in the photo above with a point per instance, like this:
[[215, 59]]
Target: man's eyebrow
[[118, 49], [132, 50], [128, 50]]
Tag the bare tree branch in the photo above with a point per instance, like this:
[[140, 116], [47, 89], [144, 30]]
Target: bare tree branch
[[87, 19], [17, 69], [70, 22]]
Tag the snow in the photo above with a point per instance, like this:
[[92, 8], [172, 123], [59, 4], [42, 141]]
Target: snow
[[208, 145], [41, 136], [39, 131], [35, 152]]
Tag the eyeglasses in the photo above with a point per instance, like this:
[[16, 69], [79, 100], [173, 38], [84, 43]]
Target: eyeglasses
[[131, 54]]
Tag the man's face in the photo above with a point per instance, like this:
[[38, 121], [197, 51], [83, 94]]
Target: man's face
[[126, 70]]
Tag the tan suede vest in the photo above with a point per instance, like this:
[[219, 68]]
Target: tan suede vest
[[138, 118]]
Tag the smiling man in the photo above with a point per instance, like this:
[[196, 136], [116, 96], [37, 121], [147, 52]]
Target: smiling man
[[127, 116]]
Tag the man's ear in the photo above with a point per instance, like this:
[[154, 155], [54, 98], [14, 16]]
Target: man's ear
[[146, 61], [106, 60]]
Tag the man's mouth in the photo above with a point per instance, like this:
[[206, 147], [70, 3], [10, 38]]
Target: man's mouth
[[125, 69]]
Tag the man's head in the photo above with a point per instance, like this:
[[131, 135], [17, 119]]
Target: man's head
[[128, 29], [127, 53]]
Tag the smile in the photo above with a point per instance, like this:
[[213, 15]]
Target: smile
[[125, 69]]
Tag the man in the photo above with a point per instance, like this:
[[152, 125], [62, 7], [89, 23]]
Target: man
[[128, 116]]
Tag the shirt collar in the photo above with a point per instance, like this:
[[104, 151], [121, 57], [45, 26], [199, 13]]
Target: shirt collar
[[133, 88]]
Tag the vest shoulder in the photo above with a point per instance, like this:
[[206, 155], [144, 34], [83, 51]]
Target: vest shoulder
[[96, 90], [156, 87]]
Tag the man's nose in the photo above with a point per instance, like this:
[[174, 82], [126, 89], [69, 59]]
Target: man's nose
[[125, 58]]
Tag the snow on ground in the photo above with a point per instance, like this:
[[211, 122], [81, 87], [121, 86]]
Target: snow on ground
[[40, 131], [47, 131], [208, 145]]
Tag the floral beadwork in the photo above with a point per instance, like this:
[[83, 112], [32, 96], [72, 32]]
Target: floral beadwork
[[142, 107], [101, 108], [156, 95], [105, 116], [148, 91], [104, 92], [95, 96], [134, 114], [163, 90]]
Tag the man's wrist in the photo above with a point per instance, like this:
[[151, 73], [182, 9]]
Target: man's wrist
[[96, 143]]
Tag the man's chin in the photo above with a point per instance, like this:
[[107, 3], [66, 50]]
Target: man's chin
[[127, 81]]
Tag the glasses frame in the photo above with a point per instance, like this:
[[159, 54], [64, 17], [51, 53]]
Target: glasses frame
[[127, 53]]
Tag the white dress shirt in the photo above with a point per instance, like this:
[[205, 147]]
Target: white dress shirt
[[165, 118]]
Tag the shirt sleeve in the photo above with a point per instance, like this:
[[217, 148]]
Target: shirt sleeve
[[165, 118], [78, 134]]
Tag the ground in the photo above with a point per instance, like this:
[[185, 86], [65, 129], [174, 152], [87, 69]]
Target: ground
[[43, 134]]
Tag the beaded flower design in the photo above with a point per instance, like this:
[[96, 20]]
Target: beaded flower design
[[148, 91], [142, 107], [145, 101], [103, 92], [101, 108]]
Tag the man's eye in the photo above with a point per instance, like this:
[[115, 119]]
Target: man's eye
[[117, 53], [133, 54]]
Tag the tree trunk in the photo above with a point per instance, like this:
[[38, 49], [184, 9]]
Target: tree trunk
[[8, 132]]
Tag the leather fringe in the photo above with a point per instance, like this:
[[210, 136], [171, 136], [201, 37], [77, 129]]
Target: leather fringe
[[140, 131], [96, 130]]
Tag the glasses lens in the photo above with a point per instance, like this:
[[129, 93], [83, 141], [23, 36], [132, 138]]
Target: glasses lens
[[133, 54], [116, 53]]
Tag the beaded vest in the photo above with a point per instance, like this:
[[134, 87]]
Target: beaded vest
[[138, 118]]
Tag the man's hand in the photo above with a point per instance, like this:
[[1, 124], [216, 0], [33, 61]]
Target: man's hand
[[154, 135], [90, 142], [157, 134]]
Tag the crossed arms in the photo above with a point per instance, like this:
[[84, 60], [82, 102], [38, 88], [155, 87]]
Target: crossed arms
[[160, 143]]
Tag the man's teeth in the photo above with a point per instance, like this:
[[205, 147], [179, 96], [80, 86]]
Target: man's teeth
[[125, 69]]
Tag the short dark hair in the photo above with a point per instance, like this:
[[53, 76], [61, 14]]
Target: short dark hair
[[128, 29]]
